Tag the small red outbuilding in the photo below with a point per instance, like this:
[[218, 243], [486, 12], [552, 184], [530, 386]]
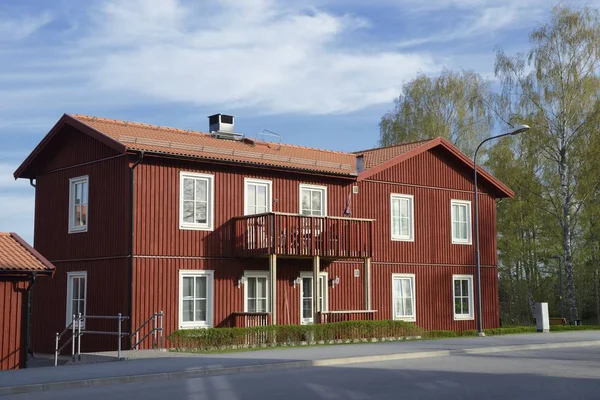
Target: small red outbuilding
[[20, 265]]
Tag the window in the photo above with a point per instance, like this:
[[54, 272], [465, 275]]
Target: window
[[78, 204], [461, 221], [195, 298], [76, 296], [313, 200], [306, 296], [402, 217], [257, 196], [463, 296], [256, 291], [403, 297], [196, 201]]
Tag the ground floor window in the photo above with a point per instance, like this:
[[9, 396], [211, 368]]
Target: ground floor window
[[256, 291], [76, 296], [195, 299], [306, 296], [403, 297], [463, 296]]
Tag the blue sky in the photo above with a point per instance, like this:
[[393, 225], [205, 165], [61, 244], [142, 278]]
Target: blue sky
[[319, 72]]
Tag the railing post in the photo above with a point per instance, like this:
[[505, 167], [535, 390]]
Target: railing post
[[137, 340], [119, 335], [56, 351], [79, 337], [154, 331], [73, 339]]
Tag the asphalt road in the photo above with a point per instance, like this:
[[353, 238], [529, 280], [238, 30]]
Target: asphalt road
[[571, 373]]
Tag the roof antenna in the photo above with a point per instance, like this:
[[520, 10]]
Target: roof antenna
[[266, 132]]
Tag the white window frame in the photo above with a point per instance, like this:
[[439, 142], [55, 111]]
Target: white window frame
[[323, 189], [471, 315], [469, 239], [209, 274], [257, 274], [413, 317], [69, 310], [72, 183], [324, 303], [210, 209], [411, 225], [253, 181]]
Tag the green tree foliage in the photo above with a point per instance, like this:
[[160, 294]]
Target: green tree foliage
[[452, 105]]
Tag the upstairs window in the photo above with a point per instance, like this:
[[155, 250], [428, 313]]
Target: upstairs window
[[78, 204], [313, 200], [196, 206], [461, 221], [402, 217], [257, 196]]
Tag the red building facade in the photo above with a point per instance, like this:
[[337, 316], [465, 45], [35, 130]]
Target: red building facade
[[227, 231]]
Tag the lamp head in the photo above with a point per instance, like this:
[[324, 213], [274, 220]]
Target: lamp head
[[519, 129]]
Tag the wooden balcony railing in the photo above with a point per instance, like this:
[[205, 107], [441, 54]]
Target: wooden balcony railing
[[302, 235], [249, 319], [326, 317]]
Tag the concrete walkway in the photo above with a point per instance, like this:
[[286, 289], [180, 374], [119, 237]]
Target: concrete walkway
[[181, 365]]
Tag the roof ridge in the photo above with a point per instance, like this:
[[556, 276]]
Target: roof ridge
[[189, 131], [5, 234], [394, 145]]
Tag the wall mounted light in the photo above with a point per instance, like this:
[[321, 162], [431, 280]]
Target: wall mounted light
[[241, 281], [335, 281], [297, 281]]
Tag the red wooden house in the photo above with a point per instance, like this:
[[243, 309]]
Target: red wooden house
[[20, 265], [218, 230]]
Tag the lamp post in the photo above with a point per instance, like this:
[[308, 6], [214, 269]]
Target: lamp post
[[516, 130]]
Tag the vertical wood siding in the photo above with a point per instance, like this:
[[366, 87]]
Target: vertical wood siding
[[12, 324], [107, 294]]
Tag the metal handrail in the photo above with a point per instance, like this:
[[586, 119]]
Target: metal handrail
[[303, 215], [157, 327]]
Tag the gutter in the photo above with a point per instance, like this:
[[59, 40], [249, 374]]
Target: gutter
[[132, 234]]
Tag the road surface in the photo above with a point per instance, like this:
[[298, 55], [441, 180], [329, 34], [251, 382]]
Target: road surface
[[571, 373]]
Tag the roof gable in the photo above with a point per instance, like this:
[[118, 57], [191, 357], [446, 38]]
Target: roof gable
[[16, 256], [404, 152]]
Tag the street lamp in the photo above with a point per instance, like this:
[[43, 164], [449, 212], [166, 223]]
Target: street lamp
[[516, 130]]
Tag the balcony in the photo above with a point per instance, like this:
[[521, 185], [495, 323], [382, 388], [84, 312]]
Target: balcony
[[296, 235]]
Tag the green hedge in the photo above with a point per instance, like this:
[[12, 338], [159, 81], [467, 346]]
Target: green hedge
[[562, 328], [291, 335]]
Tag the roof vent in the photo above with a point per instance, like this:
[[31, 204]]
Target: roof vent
[[221, 127]]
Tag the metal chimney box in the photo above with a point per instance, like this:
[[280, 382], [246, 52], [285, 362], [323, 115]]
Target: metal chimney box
[[220, 123]]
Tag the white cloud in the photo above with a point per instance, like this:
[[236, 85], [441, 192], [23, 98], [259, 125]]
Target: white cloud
[[16, 28], [271, 56]]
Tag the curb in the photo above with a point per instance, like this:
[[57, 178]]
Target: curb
[[199, 373]]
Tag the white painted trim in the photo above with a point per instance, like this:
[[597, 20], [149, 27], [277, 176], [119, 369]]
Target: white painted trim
[[257, 274], [464, 317], [313, 187], [411, 236], [72, 183], [413, 317], [69, 308], [209, 226], [469, 240], [209, 298], [269, 185], [307, 274]]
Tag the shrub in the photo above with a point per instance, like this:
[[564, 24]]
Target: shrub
[[290, 335], [562, 328], [440, 334]]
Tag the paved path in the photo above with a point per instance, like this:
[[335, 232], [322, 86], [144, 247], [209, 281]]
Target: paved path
[[176, 366], [553, 374]]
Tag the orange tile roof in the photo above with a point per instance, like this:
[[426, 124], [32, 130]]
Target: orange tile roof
[[137, 136], [17, 256], [374, 157]]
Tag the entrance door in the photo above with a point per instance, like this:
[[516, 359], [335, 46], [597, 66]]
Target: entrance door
[[306, 296], [257, 201]]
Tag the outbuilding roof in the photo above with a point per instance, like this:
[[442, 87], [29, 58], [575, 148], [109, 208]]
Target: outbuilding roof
[[16, 256]]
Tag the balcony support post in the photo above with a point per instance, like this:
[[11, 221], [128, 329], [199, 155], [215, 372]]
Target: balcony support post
[[315, 288], [273, 289], [367, 283]]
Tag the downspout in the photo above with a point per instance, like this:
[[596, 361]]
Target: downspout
[[131, 236], [31, 182], [28, 324]]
